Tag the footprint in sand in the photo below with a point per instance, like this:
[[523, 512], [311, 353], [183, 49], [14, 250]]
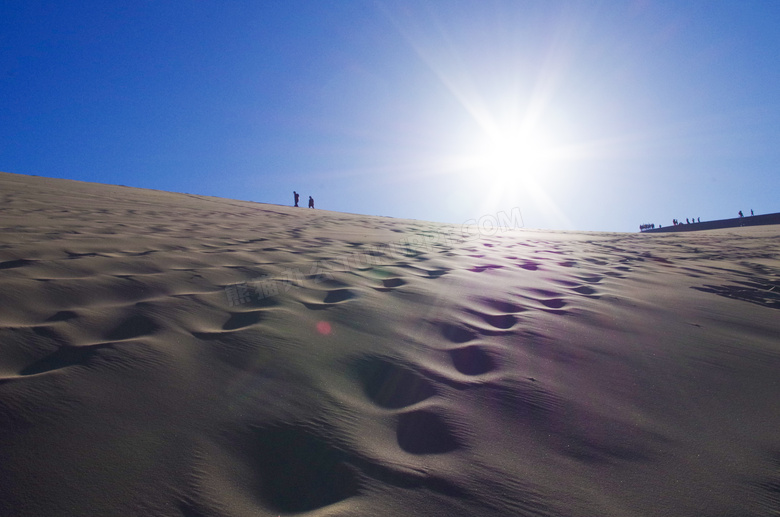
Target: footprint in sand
[[436, 273], [62, 316], [502, 305], [338, 295], [578, 288], [496, 317], [499, 321], [234, 321], [64, 356], [425, 273], [298, 470], [529, 265], [586, 290], [390, 284], [393, 282], [554, 303], [240, 320], [133, 327], [11, 264], [390, 385], [591, 279], [472, 360], [550, 301], [456, 333], [331, 298], [488, 267]]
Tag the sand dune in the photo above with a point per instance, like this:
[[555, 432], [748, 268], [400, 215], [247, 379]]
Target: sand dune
[[176, 355]]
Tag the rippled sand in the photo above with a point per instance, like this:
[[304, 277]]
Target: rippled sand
[[175, 355]]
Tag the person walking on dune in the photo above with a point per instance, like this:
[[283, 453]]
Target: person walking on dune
[[297, 197], [311, 202]]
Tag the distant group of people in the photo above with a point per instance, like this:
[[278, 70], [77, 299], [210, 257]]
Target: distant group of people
[[692, 220], [687, 221], [297, 197]]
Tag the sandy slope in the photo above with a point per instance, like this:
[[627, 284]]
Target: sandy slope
[[166, 354]]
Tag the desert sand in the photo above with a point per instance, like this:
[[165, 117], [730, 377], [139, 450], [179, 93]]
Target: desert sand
[[167, 354]]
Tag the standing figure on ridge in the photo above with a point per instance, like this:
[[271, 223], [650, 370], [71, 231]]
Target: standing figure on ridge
[[740, 213], [311, 202], [297, 197]]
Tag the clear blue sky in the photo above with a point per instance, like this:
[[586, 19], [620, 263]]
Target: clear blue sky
[[589, 116]]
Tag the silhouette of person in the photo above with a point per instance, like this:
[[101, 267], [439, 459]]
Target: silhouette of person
[[687, 221], [751, 211], [698, 219], [297, 197], [311, 202], [740, 213]]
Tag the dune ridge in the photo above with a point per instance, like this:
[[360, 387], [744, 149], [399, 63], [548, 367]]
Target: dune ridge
[[180, 355]]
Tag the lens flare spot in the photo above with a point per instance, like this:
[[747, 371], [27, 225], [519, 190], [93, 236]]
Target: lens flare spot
[[323, 327]]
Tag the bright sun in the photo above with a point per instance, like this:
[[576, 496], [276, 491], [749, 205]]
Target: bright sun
[[511, 156]]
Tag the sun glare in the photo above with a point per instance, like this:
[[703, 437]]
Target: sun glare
[[512, 154], [510, 157], [513, 140]]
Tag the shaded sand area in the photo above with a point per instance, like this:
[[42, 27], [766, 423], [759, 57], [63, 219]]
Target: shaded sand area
[[174, 355]]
